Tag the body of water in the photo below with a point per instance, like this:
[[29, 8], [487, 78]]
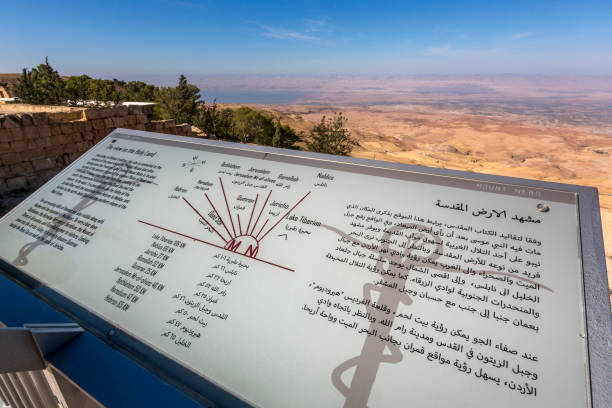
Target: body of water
[[245, 96]]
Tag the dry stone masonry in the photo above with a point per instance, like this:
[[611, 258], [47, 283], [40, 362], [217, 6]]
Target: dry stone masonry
[[34, 146]]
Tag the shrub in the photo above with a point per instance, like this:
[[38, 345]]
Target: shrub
[[331, 136]]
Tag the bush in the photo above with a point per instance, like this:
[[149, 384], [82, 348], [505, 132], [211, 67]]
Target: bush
[[331, 136], [103, 91], [83, 90], [250, 126], [284, 136], [244, 125], [43, 86]]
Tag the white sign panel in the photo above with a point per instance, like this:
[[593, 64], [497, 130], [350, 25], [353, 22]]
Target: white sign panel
[[295, 282]]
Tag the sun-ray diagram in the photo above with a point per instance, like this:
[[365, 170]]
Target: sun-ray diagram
[[235, 237]]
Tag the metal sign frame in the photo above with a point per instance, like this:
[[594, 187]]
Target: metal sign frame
[[595, 283]]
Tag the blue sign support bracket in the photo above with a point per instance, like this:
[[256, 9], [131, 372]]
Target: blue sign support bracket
[[51, 337]]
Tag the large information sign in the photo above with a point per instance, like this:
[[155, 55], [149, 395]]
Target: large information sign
[[293, 280]]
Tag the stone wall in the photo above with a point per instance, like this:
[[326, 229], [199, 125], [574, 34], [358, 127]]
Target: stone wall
[[35, 146]]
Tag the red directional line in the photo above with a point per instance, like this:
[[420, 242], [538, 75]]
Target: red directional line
[[283, 217], [182, 235], [252, 211], [273, 264], [239, 226], [261, 211], [214, 245], [262, 227], [209, 224], [221, 219], [227, 205]]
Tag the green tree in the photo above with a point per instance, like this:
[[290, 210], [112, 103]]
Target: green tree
[[250, 126], [119, 93], [103, 92], [331, 136], [77, 90], [179, 103], [277, 139], [284, 136], [41, 86], [215, 121], [24, 90], [138, 91]]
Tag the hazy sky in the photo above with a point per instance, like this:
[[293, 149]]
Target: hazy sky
[[118, 38]]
